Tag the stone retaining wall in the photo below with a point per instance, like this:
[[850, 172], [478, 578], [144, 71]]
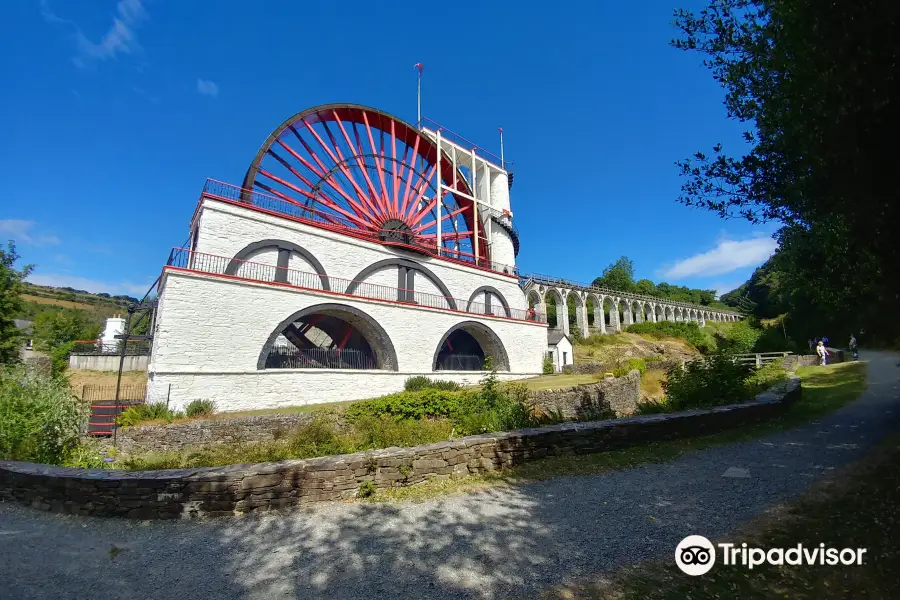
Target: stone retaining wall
[[219, 491], [795, 361], [208, 432], [611, 397], [617, 397]]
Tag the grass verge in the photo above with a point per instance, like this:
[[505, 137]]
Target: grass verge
[[824, 389], [855, 509]]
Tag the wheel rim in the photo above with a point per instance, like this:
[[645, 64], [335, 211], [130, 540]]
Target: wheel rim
[[358, 169]]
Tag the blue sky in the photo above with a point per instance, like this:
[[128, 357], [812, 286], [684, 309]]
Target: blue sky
[[118, 111]]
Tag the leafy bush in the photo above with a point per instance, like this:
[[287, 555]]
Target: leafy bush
[[421, 382], [739, 338], [416, 405], [629, 365], [547, 367], [765, 377], [689, 332], [652, 407], [86, 456], [40, 420], [59, 358], [200, 408], [772, 339], [151, 411], [713, 381], [367, 489]]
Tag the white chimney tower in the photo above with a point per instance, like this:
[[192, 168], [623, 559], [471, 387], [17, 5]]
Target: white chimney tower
[[115, 325]]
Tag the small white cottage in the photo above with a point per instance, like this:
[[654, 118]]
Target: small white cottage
[[559, 345]]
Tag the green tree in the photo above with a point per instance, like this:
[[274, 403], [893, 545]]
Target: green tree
[[816, 84], [618, 276], [646, 287], [11, 287], [52, 329]]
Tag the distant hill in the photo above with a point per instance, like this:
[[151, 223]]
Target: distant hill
[[39, 298]]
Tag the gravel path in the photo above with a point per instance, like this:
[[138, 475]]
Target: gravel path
[[493, 544]]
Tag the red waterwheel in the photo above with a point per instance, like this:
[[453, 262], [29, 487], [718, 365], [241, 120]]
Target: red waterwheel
[[361, 170]]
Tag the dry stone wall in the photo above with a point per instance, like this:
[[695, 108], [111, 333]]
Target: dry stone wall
[[220, 491], [208, 432], [795, 361], [615, 396]]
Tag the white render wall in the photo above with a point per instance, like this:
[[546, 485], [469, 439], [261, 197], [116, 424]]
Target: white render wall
[[225, 229], [211, 330]]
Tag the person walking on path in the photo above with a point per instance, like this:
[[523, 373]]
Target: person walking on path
[[854, 347], [822, 352]]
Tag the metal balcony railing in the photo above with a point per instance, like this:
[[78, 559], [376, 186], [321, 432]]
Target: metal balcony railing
[[183, 258], [219, 190]]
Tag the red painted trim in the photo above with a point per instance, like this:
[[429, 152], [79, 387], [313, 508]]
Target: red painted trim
[[361, 235], [343, 295]]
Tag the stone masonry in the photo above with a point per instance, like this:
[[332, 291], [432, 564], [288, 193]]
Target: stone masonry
[[207, 432], [235, 489], [616, 396]]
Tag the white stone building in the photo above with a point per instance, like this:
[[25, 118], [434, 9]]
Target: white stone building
[[334, 273], [559, 345]]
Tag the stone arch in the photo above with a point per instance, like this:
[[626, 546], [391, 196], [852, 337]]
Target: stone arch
[[489, 291], [625, 316], [405, 286], [559, 306], [534, 298], [579, 311], [597, 310], [488, 341], [377, 338], [659, 312], [611, 313], [282, 274]]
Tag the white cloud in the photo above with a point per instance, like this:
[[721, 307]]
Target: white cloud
[[120, 39], [22, 231], [89, 285], [727, 256], [208, 88]]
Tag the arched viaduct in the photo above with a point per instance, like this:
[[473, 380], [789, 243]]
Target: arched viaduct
[[612, 310]]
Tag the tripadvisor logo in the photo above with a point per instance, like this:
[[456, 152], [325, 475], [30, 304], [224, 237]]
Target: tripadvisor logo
[[696, 555]]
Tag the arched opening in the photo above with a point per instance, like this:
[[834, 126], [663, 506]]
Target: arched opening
[[637, 310], [594, 314], [624, 314], [328, 336], [574, 313], [534, 299], [610, 314], [554, 309], [466, 346], [660, 313], [488, 300]]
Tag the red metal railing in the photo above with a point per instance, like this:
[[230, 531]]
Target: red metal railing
[[183, 258], [219, 190]]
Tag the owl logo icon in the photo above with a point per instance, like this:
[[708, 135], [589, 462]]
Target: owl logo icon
[[695, 555]]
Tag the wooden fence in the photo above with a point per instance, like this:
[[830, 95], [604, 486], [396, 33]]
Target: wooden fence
[[760, 358]]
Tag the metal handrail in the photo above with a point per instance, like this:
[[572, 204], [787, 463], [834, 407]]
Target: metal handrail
[[459, 140], [219, 190], [550, 280], [183, 258]]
